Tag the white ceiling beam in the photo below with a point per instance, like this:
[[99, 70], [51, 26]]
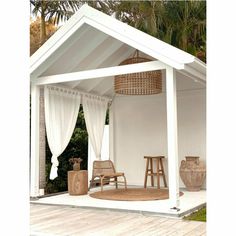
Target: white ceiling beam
[[106, 88], [74, 84], [108, 92], [95, 84], [132, 36], [100, 73], [138, 40], [94, 42], [56, 46], [113, 59], [105, 49], [107, 82], [86, 84], [60, 63]]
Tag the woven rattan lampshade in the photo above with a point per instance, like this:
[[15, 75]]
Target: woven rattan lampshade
[[142, 83]]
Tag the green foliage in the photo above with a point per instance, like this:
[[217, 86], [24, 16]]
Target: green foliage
[[187, 21], [58, 10], [179, 23], [77, 147], [199, 215], [35, 41]]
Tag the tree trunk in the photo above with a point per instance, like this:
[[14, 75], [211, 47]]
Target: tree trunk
[[43, 24], [185, 27], [184, 41]]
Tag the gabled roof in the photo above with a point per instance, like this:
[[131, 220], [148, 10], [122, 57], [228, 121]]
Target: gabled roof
[[91, 39]]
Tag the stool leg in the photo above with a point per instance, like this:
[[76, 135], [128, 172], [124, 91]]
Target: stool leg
[[146, 173], [116, 182], [163, 173], [158, 176], [152, 177], [125, 182], [101, 183]]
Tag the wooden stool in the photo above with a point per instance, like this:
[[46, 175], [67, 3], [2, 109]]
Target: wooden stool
[[149, 171]]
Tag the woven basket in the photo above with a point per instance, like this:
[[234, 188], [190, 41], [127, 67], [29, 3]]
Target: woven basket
[[142, 83]]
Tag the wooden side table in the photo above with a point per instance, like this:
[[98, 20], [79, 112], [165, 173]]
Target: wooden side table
[[77, 182], [149, 171]]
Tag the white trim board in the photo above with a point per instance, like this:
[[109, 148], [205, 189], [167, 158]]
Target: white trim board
[[100, 73]]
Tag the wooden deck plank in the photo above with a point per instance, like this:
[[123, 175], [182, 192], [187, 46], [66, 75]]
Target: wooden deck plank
[[198, 231], [69, 221]]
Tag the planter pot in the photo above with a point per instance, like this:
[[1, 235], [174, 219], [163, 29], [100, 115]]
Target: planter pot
[[192, 173], [76, 166]]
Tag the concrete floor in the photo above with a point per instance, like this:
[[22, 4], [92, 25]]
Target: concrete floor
[[189, 202]]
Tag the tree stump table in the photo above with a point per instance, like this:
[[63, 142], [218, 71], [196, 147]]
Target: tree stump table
[[78, 182]]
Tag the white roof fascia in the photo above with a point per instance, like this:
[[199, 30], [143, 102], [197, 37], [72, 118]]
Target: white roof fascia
[[56, 40]]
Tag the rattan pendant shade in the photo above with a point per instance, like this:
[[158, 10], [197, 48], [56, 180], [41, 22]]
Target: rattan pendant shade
[[142, 83]]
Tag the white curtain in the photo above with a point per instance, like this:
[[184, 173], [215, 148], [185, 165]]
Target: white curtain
[[95, 114], [61, 111]]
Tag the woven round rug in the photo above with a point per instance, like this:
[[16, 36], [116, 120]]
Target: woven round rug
[[132, 194]]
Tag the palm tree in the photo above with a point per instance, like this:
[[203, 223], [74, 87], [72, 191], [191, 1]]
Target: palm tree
[[56, 10], [35, 40], [180, 23], [143, 15], [185, 25]]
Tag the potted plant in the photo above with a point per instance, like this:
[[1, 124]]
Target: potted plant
[[75, 161]]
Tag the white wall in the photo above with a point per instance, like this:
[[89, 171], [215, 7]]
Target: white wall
[[104, 151], [140, 130]]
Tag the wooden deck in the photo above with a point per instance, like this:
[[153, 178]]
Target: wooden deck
[[47, 220]]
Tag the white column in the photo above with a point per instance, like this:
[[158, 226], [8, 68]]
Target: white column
[[111, 134], [34, 149], [172, 138], [42, 144]]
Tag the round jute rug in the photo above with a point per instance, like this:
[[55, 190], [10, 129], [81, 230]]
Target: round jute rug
[[133, 194]]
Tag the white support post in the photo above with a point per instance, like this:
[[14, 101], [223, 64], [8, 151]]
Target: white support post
[[34, 150], [111, 134], [172, 138]]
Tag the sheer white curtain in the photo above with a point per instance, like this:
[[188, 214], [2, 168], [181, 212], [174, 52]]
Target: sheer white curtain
[[95, 113], [61, 111]]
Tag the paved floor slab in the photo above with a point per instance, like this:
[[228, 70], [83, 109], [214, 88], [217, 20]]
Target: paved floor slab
[[190, 201]]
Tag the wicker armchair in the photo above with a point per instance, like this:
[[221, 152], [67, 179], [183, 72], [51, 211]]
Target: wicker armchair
[[104, 171]]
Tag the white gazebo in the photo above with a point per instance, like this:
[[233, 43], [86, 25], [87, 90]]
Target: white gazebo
[[82, 58]]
